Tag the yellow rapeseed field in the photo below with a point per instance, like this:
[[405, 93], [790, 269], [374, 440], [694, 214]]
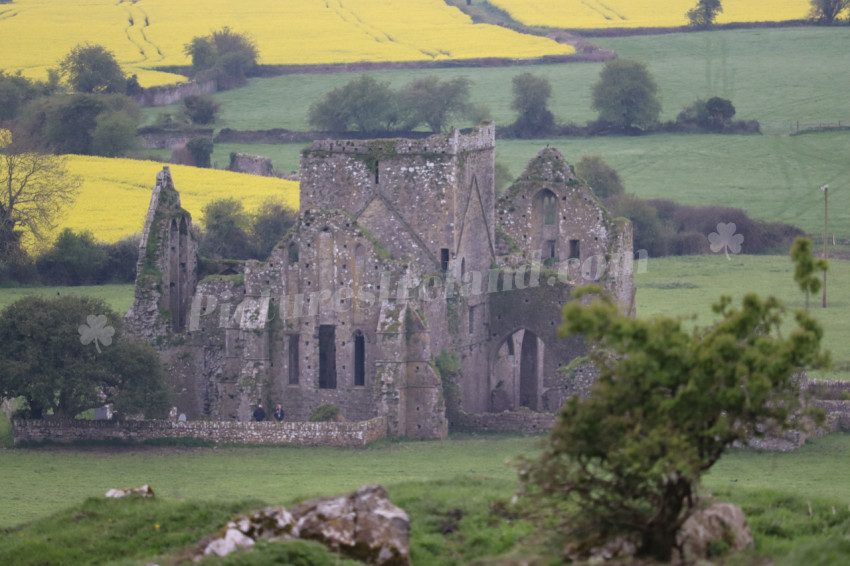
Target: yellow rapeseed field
[[643, 13], [146, 34], [115, 195]]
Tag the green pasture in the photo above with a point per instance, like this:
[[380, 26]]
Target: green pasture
[[119, 296], [777, 76], [681, 286], [40, 481]]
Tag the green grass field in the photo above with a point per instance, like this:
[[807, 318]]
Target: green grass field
[[777, 76]]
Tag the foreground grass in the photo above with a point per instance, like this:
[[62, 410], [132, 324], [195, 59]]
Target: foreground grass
[[457, 493], [278, 475]]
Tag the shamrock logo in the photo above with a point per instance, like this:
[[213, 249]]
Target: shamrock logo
[[96, 331], [726, 239]]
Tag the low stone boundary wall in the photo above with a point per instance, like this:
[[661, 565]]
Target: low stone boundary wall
[[221, 432], [522, 422]]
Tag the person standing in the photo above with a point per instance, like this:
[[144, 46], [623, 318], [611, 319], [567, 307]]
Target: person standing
[[259, 413], [278, 413]]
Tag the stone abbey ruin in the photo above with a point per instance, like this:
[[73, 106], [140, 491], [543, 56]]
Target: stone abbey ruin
[[402, 255]]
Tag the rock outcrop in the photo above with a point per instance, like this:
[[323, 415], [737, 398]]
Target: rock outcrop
[[363, 525]]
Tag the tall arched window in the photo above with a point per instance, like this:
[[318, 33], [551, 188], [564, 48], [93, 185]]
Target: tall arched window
[[359, 359]]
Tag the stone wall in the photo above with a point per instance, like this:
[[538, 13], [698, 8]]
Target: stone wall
[[172, 94], [221, 432], [251, 164], [522, 422], [166, 139]]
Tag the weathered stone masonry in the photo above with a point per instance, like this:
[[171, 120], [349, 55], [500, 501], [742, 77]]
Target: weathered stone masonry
[[233, 432], [401, 252]]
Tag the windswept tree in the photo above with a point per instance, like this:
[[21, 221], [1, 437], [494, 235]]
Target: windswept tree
[[827, 11], [34, 188], [435, 102], [93, 69], [704, 13], [626, 95], [628, 459]]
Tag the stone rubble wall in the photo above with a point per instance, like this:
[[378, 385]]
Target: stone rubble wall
[[221, 432], [522, 422]]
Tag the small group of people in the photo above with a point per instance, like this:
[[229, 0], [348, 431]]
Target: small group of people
[[260, 413]]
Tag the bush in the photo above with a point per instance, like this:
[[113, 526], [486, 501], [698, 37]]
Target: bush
[[200, 108], [200, 149], [114, 134], [74, 259], [93, 69], [325, 413]]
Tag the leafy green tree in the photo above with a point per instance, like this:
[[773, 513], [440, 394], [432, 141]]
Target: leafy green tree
[[668, 403], [34, 188], [531, 96], [232, 56], [68, 354], [74, 259], [626, 95], [435, 102], [704, 13], [200, 108], [16, 91], [93, 69], [602, 178], [271, 222], [827, 11], [66, 124], [114, 134], [226, 230], [363, 104], [806, 266]]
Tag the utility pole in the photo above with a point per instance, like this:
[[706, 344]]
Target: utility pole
[[825, 190]]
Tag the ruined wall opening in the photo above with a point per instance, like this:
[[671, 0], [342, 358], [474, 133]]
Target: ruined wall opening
[[528, 371], [545, 226], [327, 356], [359, 359], [174, 274], [575, 249], [516, 372], [293, 357], [293, 253], [444, 259]]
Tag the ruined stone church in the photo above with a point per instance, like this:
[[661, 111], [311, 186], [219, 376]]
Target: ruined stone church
[[401, 255]]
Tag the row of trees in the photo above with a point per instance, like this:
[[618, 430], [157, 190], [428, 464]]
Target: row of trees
[[369, 106], [625, 96]]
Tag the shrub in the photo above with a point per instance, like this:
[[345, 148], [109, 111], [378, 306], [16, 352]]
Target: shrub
[[200, 149]]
